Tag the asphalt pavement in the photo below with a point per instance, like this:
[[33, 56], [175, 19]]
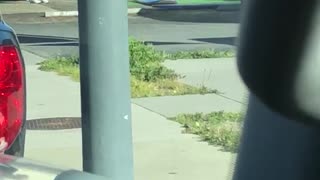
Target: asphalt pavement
[[59, 36]]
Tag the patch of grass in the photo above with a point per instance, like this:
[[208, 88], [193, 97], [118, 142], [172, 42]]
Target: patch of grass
[[65, 66], [146, 62], [200, 54], [139, 88], [164, 87], [133, 4], [149, 77], [217, 128]]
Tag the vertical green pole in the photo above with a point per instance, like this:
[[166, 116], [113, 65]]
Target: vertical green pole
[[105, 88]]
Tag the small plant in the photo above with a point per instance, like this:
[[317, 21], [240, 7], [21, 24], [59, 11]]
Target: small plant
[[65, 66], [164, 87], [217, 128], [146, 62], [51, 64], [211, 53]]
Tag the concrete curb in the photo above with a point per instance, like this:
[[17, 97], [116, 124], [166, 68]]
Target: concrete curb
[[75, 13], [61, 14]]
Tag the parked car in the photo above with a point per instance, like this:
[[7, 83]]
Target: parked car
[[12, 93]]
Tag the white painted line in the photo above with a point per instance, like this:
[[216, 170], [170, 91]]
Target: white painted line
[[75, 13], [134, 10], [60, 13]]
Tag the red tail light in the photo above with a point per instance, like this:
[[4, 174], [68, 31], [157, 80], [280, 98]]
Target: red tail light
[[12, 94]]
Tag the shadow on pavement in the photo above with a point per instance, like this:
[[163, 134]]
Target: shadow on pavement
[[56, 44], [56, 41], [39, 40], [205, 15], [155, 43], [220, 40]]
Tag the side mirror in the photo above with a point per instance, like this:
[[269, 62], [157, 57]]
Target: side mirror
[[278, 56]]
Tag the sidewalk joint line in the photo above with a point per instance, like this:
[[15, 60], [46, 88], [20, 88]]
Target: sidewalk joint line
[[149, 110], [231, 99]]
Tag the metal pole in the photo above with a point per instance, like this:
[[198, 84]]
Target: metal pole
[[105, 90]]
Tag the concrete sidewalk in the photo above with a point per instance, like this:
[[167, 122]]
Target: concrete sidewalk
[[161, 151], [220, 74], [23, 8], [216, 73]]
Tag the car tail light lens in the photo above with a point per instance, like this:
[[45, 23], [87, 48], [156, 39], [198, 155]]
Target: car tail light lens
[[12, 95]]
